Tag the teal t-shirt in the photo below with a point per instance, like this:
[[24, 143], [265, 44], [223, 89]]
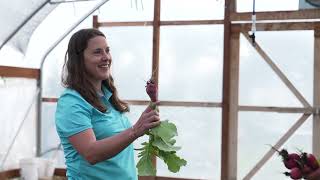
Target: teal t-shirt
[[73, 115]]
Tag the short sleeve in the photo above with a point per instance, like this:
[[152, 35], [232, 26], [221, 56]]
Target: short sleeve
[[73, 114], [127, 121]]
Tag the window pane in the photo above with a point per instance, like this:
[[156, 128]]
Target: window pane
[[131, 50], [191, 63], [267, 5], [126, 10], [195, 125], [18, 108], [293, 55], [257, 130], [192, 10], [201, 125]]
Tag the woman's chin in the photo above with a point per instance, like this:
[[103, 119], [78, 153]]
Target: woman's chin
[[105, 77]]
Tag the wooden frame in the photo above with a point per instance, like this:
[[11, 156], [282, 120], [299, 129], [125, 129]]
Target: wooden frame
[[9, 71], [61, 172]]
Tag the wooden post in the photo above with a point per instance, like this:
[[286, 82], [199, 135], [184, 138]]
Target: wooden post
[[95, 23], [316, 94], [155, 53], [230, 97], [156, 41], [155, 64]]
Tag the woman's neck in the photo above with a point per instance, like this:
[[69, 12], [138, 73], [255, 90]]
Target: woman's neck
[[97, 86]]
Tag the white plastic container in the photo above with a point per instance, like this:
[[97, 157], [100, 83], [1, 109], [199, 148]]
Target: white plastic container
[[37, 169], [45, 168], [29, 169]]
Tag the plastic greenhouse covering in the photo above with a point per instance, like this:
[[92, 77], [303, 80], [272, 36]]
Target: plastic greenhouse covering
[[35, 33]]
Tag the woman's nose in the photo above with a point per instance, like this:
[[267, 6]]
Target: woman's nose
[[106, 57]]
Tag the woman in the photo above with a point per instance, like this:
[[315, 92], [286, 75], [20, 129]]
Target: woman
[[96, 135]]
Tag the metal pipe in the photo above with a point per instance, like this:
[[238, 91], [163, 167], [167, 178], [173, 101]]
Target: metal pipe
[[23, 23], [39, 84]]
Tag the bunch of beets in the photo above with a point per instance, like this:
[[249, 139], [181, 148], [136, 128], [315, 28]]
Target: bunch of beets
[[300, 165]]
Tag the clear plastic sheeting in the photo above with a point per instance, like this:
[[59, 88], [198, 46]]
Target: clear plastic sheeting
[[191, 62], [267, 5], [192, 10], [16, 13], [127, 10], [18, 111], [199, 132], [259, 129], [193, 125], [293, 55]]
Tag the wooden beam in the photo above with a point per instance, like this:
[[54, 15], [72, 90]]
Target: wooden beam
[[281, 26], [155, 56], [133, 23], [280, 74], [226, 97], [177, 103], [156, 42], [162, 103], [316, 95], [232, 6], [212, 105], [278, 145], [162, 23], [192, 22], [49, 100], [60, 172], [229, 98], [277, 109], [95, 23], [234, 104], [164, 178], [10, 174], [8, 71], [277, 15]]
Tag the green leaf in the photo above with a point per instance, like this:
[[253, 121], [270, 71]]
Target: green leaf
[[164, 146], [161, 144], [165, 130], [173, 161], [144, 165]]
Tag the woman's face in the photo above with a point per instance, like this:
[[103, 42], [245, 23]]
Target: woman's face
[[97, 59]]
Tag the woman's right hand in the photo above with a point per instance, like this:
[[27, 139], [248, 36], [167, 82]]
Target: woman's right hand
[[148, 119]]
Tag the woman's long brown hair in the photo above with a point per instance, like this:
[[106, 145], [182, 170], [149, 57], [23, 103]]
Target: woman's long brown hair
[[75, 76]]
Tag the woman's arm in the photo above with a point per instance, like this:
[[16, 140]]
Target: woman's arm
[[96, 151]]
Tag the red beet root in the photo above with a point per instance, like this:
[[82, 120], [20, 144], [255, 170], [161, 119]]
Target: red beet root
[[295, 173], [310, 160], [306, 170], [152, 90], [291, 160]]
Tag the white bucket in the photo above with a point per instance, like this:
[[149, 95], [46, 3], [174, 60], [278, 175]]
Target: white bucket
[[37, 169], [29, 169], [45, 168]]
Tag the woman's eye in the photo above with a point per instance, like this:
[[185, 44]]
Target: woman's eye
[[97, 52]]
